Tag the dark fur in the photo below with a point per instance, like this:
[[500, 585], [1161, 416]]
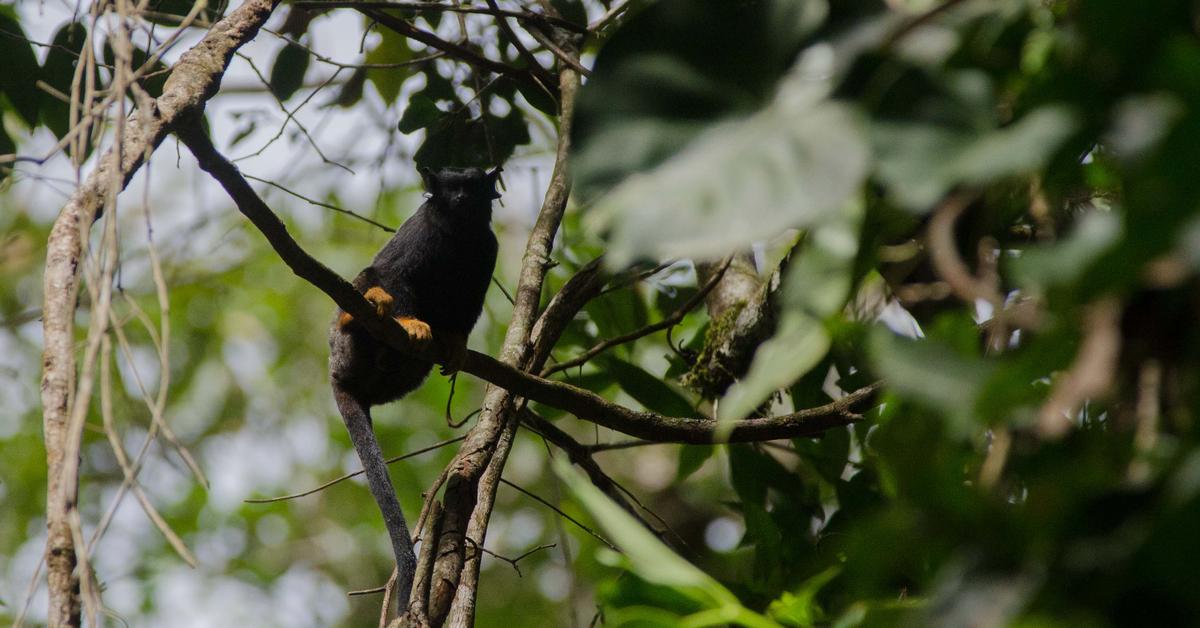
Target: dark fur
[[436, 268]]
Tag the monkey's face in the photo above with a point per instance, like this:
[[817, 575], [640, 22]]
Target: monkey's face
[[462, 192]]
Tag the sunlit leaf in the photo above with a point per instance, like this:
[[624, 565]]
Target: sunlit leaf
[[800, 608], [790, 165], [392, 48], [645, 555]]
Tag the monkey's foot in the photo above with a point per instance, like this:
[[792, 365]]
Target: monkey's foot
[[418, 331], [380, 299], [455, 347]]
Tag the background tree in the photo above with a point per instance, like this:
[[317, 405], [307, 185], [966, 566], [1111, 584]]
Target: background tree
[[808, 313]]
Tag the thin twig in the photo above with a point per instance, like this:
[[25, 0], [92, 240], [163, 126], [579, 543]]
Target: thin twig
[[514, 561], [562, 514], [320, 204], [670, 321], [911, 25], [267, 500], [351, 66], [434, 6]]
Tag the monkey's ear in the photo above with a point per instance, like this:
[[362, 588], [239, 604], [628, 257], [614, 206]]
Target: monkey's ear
[[492, 178], [430, 179]]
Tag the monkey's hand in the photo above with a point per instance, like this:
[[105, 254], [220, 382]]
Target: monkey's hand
[[377, 297], [380, 299], [418, 331], [455, 348]]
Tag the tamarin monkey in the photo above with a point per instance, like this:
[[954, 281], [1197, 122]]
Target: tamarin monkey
[[431, 277]]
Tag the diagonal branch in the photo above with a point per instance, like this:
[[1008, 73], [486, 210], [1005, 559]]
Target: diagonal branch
[[584, 404]]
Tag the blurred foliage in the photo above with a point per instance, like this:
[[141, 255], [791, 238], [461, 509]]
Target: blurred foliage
[[835, 133]]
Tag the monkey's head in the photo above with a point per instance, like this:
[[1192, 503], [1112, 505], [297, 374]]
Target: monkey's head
[[463, 193]]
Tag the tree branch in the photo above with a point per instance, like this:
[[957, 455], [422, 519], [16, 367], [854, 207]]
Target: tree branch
[[194, 79], [670, 321], [584, 404], [529, 16], [458, 51], [519, 350]]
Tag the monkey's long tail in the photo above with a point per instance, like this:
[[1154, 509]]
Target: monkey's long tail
[[358, 423]]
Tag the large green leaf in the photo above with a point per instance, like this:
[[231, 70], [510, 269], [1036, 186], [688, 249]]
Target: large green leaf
[[58, 71], [671, 69], [459, 140], [645, 555], [158, 73], [793, 164], [920, 162], [18, 80]]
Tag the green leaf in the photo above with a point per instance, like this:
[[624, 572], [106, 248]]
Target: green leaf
[[287, 74], [800, 608], [691, 458], [58, 71], [1065, 262], [645, 555], [650, 391], [930, 372], [392, 48], [420, 113], [18, 80], [7, 147], [827, 454], [920, 162], [670, 70], [752, 472], [535, 93], [798, 345], [617, 312], [793, 164], [457, 140]]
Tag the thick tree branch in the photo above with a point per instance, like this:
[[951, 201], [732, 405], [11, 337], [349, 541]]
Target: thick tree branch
[[519, 351], [194, 79], [741, 307]]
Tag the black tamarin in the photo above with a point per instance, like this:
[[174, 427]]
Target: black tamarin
[[431, 277]]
